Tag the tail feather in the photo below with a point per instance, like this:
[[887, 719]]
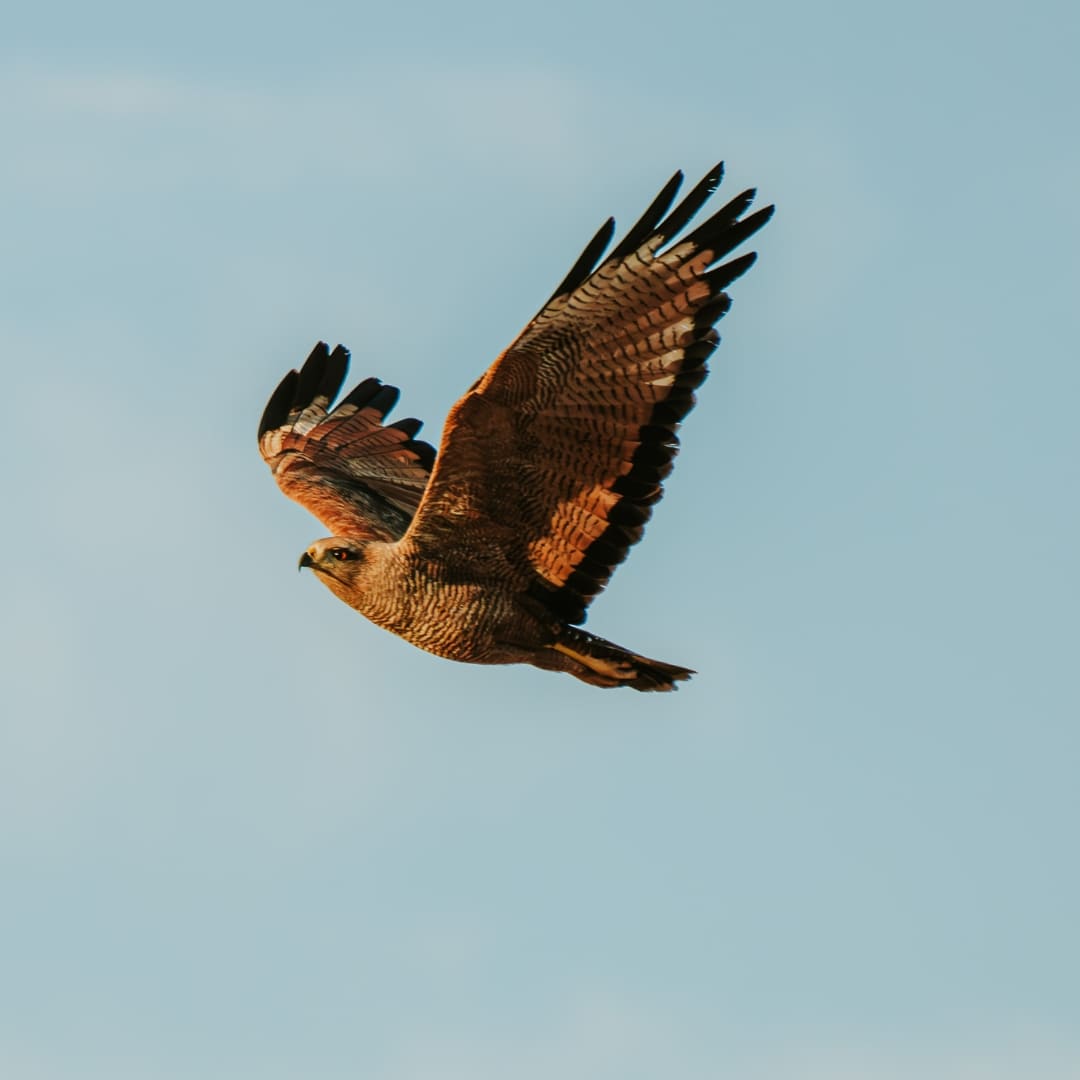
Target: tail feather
[[603, 663]]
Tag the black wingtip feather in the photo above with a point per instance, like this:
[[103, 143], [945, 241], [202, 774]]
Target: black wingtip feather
[[719, 225], [691, 379], [724, 275], [277, 408], [424, 451], [362, 393], [334, 371], [646, 224], [311, 374], [584, 584], [724, 236], [632, 488], [409, 426], [319, 351], [587, 260], [384, 400], [695, 199], [627, 513]]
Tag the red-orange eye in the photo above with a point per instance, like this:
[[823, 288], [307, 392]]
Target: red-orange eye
[[341, 554]]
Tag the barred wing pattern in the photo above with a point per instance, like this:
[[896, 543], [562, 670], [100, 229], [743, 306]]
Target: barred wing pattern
[[562, 448], [358, 477]]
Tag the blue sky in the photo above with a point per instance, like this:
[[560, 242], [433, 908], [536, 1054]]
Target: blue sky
[[244, 833]]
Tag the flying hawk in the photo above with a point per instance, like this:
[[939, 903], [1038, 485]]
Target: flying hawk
[[550, 465]]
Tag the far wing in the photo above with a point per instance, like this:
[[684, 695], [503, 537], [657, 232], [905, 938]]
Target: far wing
[[561, 449], [358, 477]]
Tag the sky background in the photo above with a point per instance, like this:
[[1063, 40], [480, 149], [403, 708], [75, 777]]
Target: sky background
[[243, 833]]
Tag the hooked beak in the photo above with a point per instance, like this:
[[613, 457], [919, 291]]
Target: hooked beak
[[305, 560]]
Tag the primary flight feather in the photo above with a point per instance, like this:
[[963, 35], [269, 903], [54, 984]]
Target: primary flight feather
[[549, 466]]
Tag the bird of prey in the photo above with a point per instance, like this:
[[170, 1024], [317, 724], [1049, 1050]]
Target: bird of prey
[[550, 464]]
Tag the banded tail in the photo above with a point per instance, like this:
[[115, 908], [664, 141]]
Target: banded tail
[[607, 664]]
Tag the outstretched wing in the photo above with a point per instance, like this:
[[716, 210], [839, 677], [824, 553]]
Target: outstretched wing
[[358, 477], [561, 449]]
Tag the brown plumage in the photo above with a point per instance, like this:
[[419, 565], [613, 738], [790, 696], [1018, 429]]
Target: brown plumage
[[549, 466]]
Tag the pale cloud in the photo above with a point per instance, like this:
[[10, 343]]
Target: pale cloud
[[98, 94], [266, 135], [999, 1055], [605, 1036], [598, 1034]]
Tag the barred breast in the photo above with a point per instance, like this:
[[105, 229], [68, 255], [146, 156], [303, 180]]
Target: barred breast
[[459, 609]]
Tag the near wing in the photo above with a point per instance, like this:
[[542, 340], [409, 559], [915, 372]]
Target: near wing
[[561, 449], [359, 478]]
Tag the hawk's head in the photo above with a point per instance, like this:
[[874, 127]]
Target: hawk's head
[[338, 561]]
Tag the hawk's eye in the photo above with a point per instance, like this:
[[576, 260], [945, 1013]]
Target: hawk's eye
[[341, 554]]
